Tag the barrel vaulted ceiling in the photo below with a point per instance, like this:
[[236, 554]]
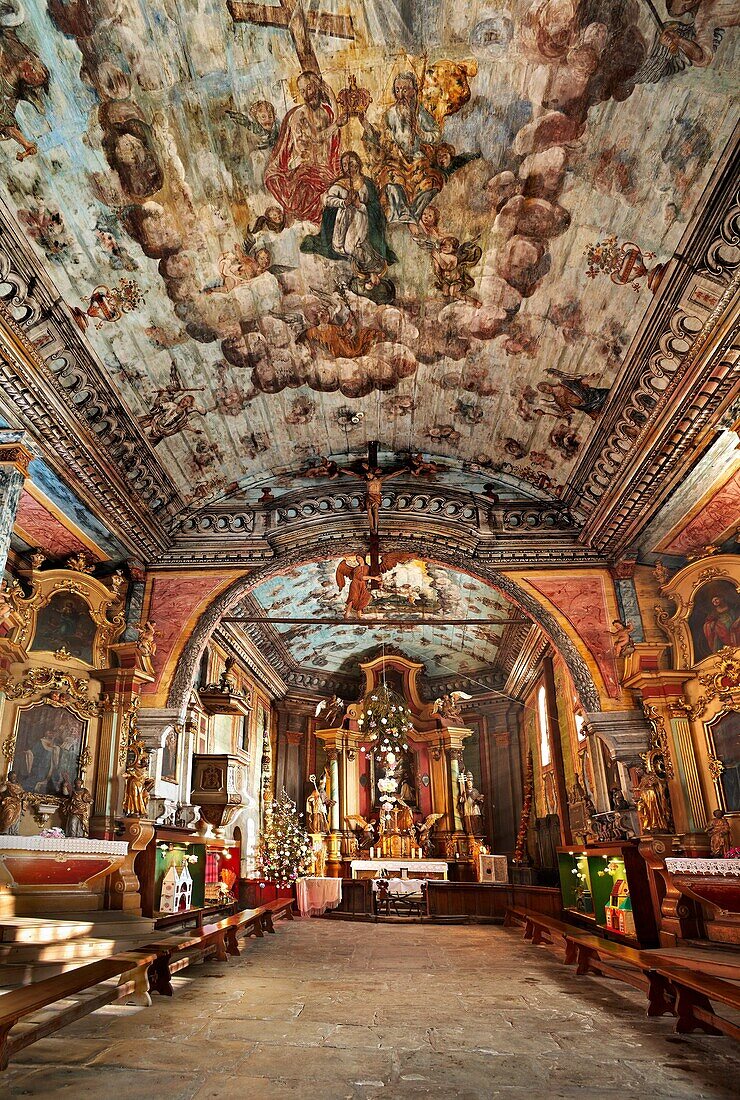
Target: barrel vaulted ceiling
[[467, 288], [467, 630]]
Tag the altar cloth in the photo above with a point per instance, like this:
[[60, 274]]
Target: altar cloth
[[316, 895], [394, 868], [402, 887]]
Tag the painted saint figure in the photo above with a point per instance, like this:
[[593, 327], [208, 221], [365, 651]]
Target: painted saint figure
[[407, 175], [305, 159], [722, 624], [353, 224], [355, 570]]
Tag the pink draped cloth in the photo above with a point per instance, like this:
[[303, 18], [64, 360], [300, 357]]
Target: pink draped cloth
[[316, 895]]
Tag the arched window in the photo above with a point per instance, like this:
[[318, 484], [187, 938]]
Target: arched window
[[545, 755]]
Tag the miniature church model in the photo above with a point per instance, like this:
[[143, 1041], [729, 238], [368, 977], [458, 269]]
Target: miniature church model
[[177, 890]]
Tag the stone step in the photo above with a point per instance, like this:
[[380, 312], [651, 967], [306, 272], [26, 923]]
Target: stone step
[[40, 930]]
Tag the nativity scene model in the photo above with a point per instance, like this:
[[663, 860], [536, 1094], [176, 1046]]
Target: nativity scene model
[[369, 530]]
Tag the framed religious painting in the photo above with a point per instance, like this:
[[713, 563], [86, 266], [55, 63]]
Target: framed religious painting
[[724, 740], [714, 621], [49, 743], [171, 755], [65, 623]]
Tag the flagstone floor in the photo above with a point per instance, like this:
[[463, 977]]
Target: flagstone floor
[[326, 1010]]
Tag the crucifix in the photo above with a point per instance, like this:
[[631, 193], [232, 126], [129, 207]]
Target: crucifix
[[374, 477], [291, 15]]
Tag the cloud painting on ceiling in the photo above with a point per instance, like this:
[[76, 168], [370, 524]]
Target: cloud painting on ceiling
[[411, 590], [277, 228]]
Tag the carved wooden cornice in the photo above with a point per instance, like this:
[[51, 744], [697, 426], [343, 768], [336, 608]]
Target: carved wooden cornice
[[52, 384], [680, 376]]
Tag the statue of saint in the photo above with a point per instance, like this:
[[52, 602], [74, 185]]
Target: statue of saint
[[651, 799], [470, 801], [11, 805], [317, 806], [138, 782], [76, 809], [720, 835], [226, 682]]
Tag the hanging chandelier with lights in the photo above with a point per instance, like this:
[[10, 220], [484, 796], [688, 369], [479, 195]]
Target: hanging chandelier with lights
[[386, 720]]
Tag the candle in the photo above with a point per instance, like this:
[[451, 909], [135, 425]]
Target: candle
[[372, 853]]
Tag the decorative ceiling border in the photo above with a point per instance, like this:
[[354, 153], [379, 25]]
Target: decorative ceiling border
[[680, 373], [54, 383]]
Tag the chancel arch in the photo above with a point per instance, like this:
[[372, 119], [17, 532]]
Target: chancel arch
[[230, 598]]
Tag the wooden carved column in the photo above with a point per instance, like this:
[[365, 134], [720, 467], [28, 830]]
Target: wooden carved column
[[122, 687], [556, 748]]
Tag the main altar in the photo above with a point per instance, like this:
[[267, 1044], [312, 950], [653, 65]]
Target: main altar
[[399, 868], [391, 793]]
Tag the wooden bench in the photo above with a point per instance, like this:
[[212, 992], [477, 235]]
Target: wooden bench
[[218, 940], [695, 993], [596, 955], [131, 968], [281, 907], [538, 927]]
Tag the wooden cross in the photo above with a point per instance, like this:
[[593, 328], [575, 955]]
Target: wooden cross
[[291, 15]]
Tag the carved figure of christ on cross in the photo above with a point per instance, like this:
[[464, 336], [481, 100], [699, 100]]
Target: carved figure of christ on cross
[[291, 15]]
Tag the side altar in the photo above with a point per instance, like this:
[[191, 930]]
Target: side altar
[[394, 785]]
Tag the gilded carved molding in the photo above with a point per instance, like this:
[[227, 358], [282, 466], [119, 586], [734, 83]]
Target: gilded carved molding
[[681, 370]]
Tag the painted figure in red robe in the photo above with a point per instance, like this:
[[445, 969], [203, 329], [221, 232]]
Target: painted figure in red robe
[[305, 160]]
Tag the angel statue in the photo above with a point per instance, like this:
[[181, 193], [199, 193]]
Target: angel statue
[[448, 706], [356, 823], [424, 832], [622, 635]]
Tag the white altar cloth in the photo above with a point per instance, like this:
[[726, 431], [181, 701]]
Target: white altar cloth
[[392, 868], [402, 887], [62, 844], [316, 895]]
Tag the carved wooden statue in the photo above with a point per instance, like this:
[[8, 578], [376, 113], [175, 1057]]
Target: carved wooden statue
[[76, 809], [470, 801], [651, 799], [720, 835], [317, 805], [138, 782], [11, 805]]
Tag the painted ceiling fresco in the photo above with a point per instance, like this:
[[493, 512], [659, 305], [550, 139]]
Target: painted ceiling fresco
[[411, 589], [290, 227]]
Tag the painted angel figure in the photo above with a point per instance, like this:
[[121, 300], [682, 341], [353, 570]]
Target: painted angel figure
[[451, 261], [680, 44], [23, 76]]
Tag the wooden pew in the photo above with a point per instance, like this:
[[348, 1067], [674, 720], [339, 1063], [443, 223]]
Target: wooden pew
[[131, 968], [596, 955], [218, 940], [281, 907], [695, 993]]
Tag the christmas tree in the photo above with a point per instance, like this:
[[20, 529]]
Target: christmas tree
[[285, 848]]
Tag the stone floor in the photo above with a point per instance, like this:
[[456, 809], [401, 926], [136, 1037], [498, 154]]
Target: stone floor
[[328, 1010]]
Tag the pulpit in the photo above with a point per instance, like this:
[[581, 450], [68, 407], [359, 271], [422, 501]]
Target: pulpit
[[216, 790]]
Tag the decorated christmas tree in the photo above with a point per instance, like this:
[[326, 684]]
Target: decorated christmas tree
[[285, 848]]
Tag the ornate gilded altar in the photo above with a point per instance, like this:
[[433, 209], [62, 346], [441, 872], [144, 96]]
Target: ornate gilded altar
[[409, 798]]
